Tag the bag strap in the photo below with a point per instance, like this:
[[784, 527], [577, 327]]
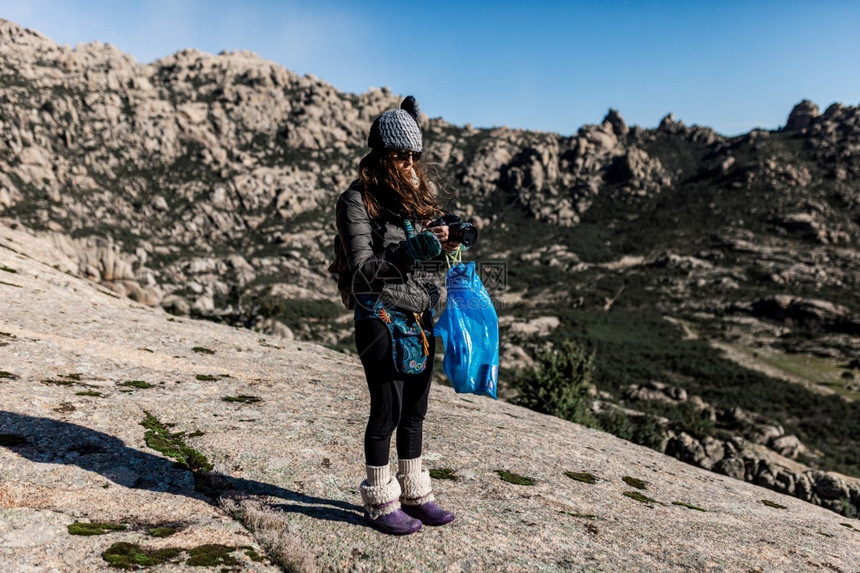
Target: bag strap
[[454, 257], [425, 344]]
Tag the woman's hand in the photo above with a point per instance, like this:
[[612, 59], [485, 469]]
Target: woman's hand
[[441, 233], [450, 246]]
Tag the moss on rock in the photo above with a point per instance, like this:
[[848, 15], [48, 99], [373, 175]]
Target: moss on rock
[[79, 528], [514, 478], [125, 555], [582, 476]]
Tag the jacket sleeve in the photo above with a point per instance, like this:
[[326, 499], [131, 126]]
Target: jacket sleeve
[[424, 288], [421, 292], [356, 232]]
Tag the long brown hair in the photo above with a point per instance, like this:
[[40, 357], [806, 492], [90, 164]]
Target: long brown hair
[[385, 187]]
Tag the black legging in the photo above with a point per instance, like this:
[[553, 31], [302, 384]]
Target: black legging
[[396, 400]]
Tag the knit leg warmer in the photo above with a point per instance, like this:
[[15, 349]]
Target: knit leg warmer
[[414, 482], [380, 492]]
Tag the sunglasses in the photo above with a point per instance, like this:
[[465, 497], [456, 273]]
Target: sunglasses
[[405, 155]]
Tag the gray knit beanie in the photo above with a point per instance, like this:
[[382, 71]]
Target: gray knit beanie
[[397, 128]]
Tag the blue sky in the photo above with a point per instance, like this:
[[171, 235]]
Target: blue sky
[[545, 65]]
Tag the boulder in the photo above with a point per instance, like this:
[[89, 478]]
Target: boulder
[[686, 448], [514, 357], [540, 326], [616, 123], [654, 391], [802, 312], [277, 328], [732, 467], [791, 447], [801, 116], [9, 196], [176, 305], [829, 486], [804, 223]]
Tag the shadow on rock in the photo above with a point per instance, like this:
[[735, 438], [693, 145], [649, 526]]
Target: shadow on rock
[[48, 441]]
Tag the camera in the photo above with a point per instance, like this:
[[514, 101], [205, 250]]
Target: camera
[[458, 230]]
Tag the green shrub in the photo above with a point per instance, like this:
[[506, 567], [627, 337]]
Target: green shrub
[[695, 422], [643, 430], [559, 383]]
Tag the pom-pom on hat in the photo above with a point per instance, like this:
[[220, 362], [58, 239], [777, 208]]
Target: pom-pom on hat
[[397, 128]]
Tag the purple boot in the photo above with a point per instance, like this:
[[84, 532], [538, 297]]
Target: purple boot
[[429, 513], [395, 523], [417, 499], [382, 506]]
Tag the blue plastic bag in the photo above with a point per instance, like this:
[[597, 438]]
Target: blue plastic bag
[[469, 328]]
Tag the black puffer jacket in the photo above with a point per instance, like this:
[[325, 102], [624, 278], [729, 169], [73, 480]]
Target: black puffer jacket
[[379, 259]]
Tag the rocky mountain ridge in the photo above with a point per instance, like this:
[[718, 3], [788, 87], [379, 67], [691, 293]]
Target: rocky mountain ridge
[[204, 184]]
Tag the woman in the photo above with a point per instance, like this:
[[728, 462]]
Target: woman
[[381, 222]]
